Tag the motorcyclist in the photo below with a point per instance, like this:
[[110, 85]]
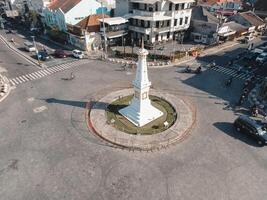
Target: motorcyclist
[[188, 69], [254, 111], [198, 70], [229, 81]]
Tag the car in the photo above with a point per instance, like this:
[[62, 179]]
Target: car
[[262, 58], [59, 53], [250, 127], [29, 46], [77, 54], [43, 55]]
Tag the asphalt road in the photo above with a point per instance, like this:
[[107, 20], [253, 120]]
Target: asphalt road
[[46, 151], [12, 64]]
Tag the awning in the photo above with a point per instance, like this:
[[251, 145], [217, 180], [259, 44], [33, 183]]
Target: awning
[[147, 18], [114, 20], [182, 1], [227, 33], [144, 1]]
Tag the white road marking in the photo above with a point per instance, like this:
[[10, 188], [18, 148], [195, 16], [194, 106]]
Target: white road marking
[[39, 109]]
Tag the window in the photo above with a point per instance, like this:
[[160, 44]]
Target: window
[[181, 21], [183, 6], [145, 6], [186, 20], [157, 24], [147, 38], [156, 6], [176, 6], [175, 22], [170, 6], [148, 23], [168, 23], [168, 35]]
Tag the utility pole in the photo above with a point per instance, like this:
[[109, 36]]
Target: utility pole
[[104, 30]]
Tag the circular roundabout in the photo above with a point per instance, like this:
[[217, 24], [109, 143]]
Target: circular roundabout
[[105, 121]]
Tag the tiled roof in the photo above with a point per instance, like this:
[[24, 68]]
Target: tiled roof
[[91, 20], [252, 18], [212, 2], [64, 5]]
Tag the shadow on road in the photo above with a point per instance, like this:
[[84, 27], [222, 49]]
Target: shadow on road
[[228, 129], [81, 104]]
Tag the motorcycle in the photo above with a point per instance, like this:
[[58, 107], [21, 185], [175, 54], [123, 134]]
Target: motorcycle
[[254, 111], [198, 70], [229, 81], [187, 70]]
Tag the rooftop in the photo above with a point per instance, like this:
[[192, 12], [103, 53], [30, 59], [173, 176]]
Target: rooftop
[[91, 20], [64, 5], [202, 14], [252, 18]]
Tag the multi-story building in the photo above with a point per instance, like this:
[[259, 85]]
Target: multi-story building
[[156, 20]]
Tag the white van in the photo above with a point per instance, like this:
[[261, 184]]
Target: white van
[[29, 46]]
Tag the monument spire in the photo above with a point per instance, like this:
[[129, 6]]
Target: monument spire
[[140, 111]]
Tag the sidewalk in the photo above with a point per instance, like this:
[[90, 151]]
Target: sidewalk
[[160, 64]]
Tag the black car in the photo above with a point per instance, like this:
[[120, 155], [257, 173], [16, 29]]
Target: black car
[[43, 55], [250, 127]]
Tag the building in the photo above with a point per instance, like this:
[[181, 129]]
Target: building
[[156, 20], [204, 26], [225, 7], [116, 29], [63, 12], [250, 20], [84, 35]]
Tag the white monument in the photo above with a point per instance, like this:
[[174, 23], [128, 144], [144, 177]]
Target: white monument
[[140, 111]]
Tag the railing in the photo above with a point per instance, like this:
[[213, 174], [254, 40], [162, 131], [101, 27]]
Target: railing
[[140, 29]]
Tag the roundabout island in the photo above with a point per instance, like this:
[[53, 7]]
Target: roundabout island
[[140, 118]]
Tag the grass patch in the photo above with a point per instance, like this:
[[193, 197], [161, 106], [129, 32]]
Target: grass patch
[[121, 123]]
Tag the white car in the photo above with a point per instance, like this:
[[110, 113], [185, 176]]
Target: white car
[[262, 58], [77, 54]]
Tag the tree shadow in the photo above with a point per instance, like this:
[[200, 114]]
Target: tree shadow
[[228, 129]]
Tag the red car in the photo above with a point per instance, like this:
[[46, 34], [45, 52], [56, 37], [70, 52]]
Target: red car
[[59, 53]]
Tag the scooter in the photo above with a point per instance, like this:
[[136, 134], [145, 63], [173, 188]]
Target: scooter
[[187, 70], [229, 82], [198, 70], [254, 111]]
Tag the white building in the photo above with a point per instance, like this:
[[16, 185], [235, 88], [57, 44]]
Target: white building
[[63, 12], [156, 20]]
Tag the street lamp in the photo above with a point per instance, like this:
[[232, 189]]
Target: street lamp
[[132, 46], [36, 51], [124, 47]]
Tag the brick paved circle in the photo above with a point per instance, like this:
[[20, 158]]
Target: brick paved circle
[[97, 123]]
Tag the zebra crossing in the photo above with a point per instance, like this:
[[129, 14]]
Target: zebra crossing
[[44, 72], [232, 72]]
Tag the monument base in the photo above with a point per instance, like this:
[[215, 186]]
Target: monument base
[[148, 114]]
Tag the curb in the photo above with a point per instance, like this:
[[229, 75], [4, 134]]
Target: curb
[[160, 145], [21, 54], [5, 88]]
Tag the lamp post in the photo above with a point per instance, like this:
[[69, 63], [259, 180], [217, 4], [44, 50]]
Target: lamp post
[[104, 31], [124, 47], [132, 46], [36, 51]]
